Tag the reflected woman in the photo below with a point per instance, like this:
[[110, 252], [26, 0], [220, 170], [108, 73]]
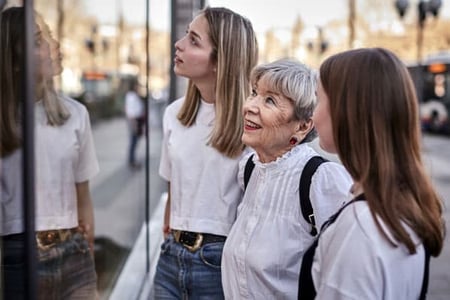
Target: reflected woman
[[65, 161]]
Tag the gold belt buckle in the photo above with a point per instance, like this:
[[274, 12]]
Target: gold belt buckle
[[197, 244], [47, 239], [193, 248]]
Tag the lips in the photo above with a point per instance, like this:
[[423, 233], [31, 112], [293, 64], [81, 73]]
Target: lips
[[177, 60], [249, 125]]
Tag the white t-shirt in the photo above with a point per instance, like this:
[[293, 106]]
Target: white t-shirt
[[263, 252], [134, 107], [354, 261], [204, 190], [64, 155]]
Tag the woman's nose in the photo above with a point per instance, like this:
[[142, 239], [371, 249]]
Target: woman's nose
[[251, 105], [179, 44]]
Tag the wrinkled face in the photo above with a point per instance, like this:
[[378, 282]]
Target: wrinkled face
[[193, 53], [269, 122], [322, 121]]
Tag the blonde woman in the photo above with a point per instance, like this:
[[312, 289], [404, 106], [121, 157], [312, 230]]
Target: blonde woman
[[201, 150], [65, 161]]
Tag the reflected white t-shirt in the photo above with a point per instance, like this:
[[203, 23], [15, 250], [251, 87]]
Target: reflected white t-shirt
[[64, 156], [204, 192], [263, 252], [134, 106]]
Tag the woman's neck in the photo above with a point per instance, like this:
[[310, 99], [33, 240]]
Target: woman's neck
[[207, 91]]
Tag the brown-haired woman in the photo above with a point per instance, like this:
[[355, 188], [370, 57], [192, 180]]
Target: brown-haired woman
[[378, 246]]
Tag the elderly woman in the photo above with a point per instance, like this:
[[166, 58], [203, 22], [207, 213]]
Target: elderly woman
[[263, 252]]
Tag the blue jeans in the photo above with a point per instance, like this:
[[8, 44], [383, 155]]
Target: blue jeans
[[134, 139], [65, 271], [181, 274]]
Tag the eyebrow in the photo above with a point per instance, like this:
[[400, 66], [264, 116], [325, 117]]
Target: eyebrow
[[195, 34]]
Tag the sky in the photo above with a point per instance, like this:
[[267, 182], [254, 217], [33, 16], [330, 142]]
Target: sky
[[264, 14]]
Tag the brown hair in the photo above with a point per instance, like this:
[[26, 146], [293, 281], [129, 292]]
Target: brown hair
[[235, 50], [376, 131]]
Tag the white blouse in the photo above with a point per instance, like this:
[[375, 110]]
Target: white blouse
[[263, 252]]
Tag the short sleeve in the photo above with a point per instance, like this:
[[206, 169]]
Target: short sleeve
[[330, 189], [87, 160]]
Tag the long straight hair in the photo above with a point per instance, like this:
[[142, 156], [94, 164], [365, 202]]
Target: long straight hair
[[235, 50], [11, 71], [374, 112]]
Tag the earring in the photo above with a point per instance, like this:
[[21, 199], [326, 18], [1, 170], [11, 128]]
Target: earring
[[293, 141]]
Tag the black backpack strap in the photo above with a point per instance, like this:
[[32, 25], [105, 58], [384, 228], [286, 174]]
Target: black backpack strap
[[248, 170], [306, 289], [305, 184], [426, 274]]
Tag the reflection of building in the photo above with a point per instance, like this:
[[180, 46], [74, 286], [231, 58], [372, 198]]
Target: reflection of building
[[113, 48]]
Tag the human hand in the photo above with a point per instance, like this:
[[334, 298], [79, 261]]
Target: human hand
[[166, 230], [85, 229]]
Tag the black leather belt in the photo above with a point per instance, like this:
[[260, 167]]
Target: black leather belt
[[45, 239], [194, 240]]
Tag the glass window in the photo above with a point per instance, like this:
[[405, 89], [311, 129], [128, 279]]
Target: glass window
[[96, 133]]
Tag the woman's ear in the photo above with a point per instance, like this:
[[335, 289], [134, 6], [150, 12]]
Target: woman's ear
[[303, 128]]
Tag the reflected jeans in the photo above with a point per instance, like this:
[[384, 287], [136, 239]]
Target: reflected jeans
[[134, 138], [65, 271], [181, 274]]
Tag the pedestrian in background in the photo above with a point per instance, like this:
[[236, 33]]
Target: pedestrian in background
[[135, 114], [263, 251], [378, 246], [65, 161], [201, 149]]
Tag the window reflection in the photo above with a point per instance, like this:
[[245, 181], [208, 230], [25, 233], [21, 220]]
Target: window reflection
[[82, 85], [65, 162]]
